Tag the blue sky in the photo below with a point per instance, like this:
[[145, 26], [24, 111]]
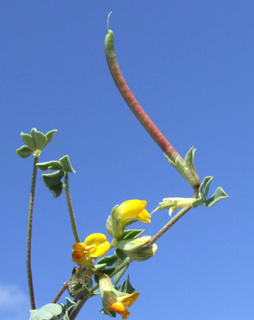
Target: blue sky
[[190, 65]]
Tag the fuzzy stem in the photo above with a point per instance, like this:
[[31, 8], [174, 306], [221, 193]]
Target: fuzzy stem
[[69, 203], [169, 225], [61, 291], [29, 231]]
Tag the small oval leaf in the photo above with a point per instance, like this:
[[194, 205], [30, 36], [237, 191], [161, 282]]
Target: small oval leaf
[[219, 194], [52, 179], [40, 140], [66, 163], [57, 189], [28, 140], [49, 136], [24, 152], [50, 165]]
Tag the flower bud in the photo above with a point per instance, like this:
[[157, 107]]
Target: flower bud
[[143, 253]]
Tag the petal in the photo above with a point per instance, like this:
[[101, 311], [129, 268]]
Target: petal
[[128, 299], [120, 308], [95, 239], [144, 216], [78, 257], [131, 209], [78, 246], [143, 239], [136, 203], [101, 250]]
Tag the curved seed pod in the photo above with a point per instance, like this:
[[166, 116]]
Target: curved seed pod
[[190, 175], [132, 101]]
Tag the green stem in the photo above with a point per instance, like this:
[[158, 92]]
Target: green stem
[[68, 198], [190, 175], [29, 231]]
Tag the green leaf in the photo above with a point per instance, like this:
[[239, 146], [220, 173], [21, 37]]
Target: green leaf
[[75, 287], [108, 313], [34, 141], [52, 179], [57, 189], [130, 222], [86, 293], [24, 152], [100, 266], [69, 305], [50, 136], [119, 275], [197, 202], [131, 234], [50, 311], [108, 261], [120, 254], [207, 182], [51, 165], [28, 140], [203, 193], [39, 139], [189, 158], [218, 195], [109, 226], [169, 160], [118, 262], [126, 286], [66, 163], [108, 272]]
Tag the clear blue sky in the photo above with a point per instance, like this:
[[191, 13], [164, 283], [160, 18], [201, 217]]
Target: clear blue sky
[[190, 65]]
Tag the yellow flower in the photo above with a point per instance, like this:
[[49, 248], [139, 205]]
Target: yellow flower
[[119, 304], [94, 246], [123, 215], [132, 209], [114, 300]]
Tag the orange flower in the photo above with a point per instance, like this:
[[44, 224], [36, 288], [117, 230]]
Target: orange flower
[[94, 246], [119, 303], [114, 300]]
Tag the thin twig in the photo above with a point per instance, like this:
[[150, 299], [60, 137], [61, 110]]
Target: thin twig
[[61, 291], [69, 203], [168, 225], [29, 232]]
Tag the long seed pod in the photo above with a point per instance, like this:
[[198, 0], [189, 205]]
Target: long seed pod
[[174, 158]]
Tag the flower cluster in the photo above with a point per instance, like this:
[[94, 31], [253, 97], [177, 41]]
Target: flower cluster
[[128, 243]]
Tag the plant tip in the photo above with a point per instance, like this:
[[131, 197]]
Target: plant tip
[[108, 20]]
